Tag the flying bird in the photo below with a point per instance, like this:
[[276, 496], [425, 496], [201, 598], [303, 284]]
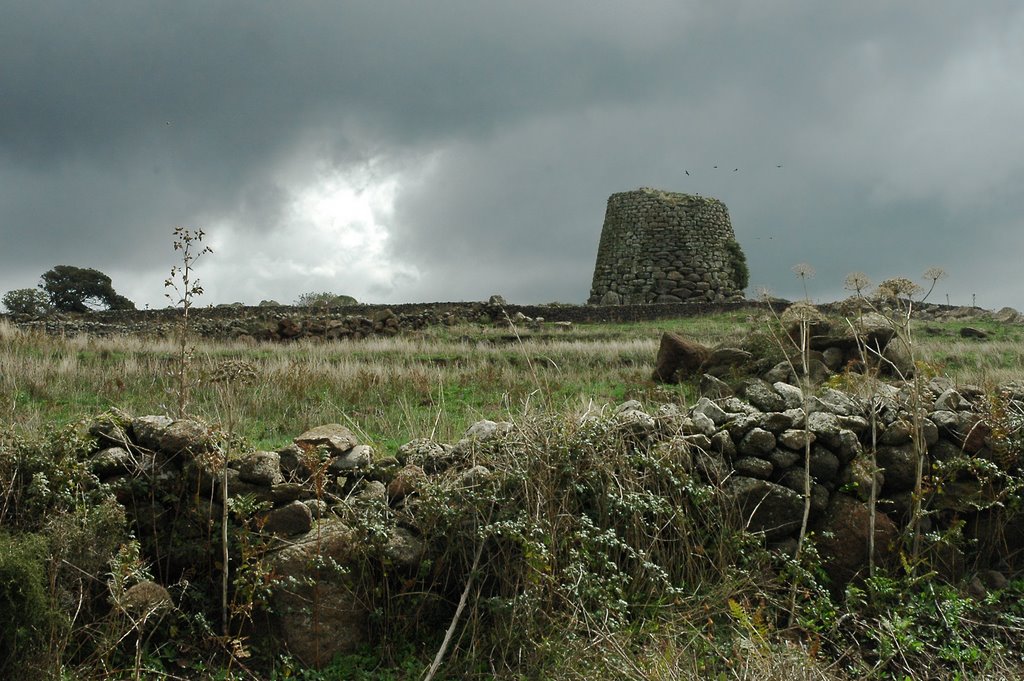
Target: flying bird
[[778, 166], [687, 172], [735, 169]]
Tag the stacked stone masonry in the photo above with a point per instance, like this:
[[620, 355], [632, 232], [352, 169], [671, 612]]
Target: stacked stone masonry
[[664, 247]]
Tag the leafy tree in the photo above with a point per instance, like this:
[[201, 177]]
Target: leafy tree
[[324, 299], [26, 301], [78, 289]]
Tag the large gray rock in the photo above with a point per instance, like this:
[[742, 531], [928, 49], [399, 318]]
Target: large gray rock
[[896, 433], [315, 610], [825, 427], [261, 468], [741, 425], [782, 459], [357, 458], [795, 480], [722, 443], [899, 465], [757, 442], [678, 357], [291, 519], [766, 507], [432, 457], [948, 422], [335, 437], [699, 423], [753, 467], [848, 446], [111, 461], [714, 387], [172, 437], [796, 440], [856, 477], [728, 361], [760, 394], [404, 549], [949, 400], [842, 540], [777, 421], [407, 481], [837, 402], [485, 431], [792, 395], [708, 408], [1007, 315], [897, 360], [824, 464]]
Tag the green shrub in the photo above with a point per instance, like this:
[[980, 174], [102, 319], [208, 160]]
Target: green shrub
[[324, 299], [27, 301], [738, 261], [25, 614]]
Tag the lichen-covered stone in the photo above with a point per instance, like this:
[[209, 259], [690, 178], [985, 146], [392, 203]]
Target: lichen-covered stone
[[291, 519], [753, 467], [757, 442], [766, 507], [335, 437], [261, 468]]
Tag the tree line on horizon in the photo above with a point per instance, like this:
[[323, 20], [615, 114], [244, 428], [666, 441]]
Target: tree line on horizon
[[66, 288]]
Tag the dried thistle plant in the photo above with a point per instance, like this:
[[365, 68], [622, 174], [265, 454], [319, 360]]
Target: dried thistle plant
[[897, 288], [858, 282], [183, 288], [805, 272], [227, 376]]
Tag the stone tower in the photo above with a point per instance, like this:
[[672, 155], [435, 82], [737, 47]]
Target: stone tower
[[667, 247]]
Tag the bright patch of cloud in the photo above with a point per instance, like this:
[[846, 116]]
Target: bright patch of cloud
[[332, 235]]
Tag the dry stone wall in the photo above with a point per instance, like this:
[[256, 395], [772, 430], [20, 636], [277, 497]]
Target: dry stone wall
[[666, 247], [753, 453]]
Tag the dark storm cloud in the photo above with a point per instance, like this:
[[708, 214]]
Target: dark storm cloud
[[507, 126]]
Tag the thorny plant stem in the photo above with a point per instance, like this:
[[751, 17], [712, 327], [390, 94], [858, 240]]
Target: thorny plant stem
[[805, 393], [862, 350], [225, 553]]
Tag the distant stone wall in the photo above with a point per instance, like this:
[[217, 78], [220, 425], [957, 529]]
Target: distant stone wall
[[351, 322], [666, 247]]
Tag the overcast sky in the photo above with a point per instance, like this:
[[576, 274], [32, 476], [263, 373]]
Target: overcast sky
[[447, 150]]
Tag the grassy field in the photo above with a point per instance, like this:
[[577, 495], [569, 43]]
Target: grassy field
[[391, 390]]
